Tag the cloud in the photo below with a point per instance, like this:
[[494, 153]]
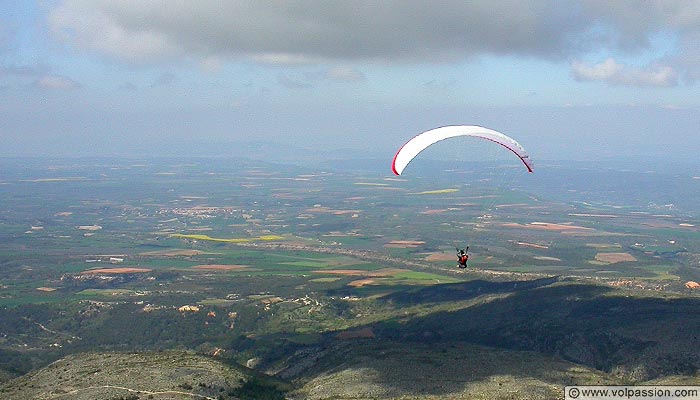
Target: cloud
[[38, 76], [689, 58], [99, 26], [671, 107], [165, 79], [21, 71], [615, 73], [293, 83], [283, 58], [633, 23], [54, 82], [4, 36], [389, 31], [345, 74], [312, 30], [128, 86], [309, 79], [633, 26], [211, 65]]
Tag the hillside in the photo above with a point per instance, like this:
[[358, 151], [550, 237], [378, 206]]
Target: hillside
[[637, 335], [476, 339], [346, 370], [385, 370], [149, 375]]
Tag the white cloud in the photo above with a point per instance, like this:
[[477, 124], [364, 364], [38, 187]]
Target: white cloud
[[211, 64], [282, 58], [615, 73], [54, 82], [93, 27], [599, 72]]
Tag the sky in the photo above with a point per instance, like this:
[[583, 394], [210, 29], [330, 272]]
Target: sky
[[578, 80]]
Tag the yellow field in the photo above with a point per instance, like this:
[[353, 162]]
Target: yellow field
[[126, 270], [263, 238], [323, 280], [221, 267], [370, 184], [439, 191]]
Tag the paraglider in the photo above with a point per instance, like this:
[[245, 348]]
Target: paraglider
[[410, 150], [462, 258], [413, 147]]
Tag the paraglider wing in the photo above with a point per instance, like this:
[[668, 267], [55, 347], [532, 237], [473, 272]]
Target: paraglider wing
[[419, 143]]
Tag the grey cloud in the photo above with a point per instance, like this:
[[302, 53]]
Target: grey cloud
[[635, 21], [303, 31], [389, 31]]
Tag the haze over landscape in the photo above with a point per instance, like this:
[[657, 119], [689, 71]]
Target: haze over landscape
[[197, 198]]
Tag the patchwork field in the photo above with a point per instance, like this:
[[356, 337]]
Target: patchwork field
[[259, 265], [612, 258]]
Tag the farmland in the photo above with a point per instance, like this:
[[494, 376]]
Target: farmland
[[259, 261]]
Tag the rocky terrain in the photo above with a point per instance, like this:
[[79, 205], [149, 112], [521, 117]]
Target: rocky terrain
[[359, 369], [150, 375]]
